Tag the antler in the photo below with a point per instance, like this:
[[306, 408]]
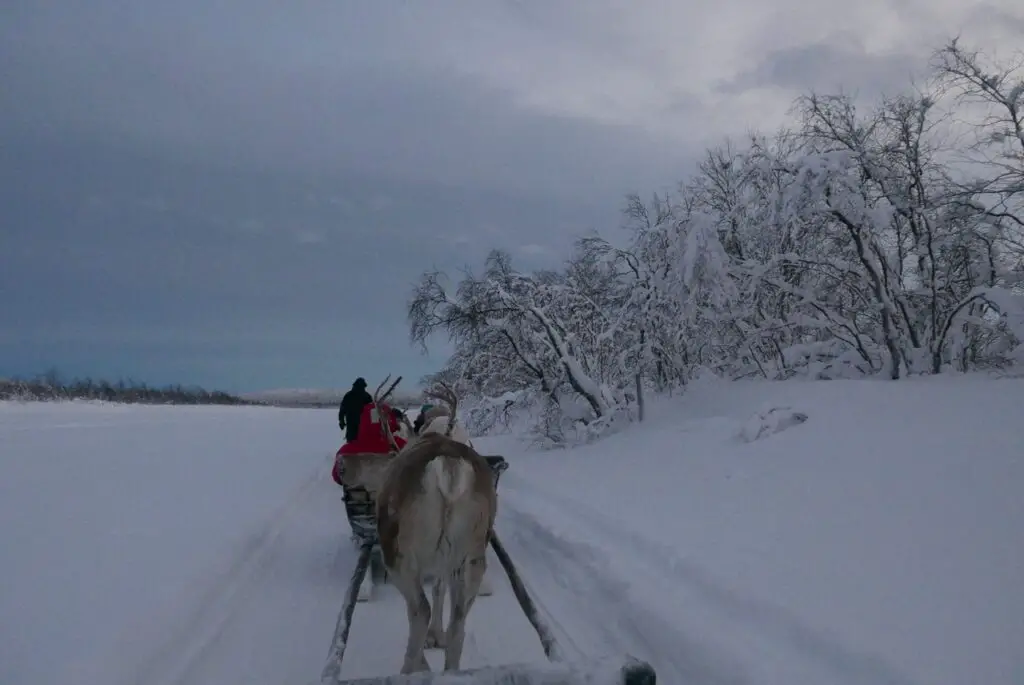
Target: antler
[[391, 389], [377, 391], [446, 394], [442, 392], [385, 421]]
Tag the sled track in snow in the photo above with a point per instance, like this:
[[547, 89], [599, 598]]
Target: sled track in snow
[[599, 614], [602, 589], [192, 637], [205, 641], [582, 570]]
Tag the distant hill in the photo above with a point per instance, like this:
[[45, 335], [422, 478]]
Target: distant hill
[[323, 397]]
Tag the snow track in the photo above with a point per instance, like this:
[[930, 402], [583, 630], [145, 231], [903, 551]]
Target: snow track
[[660, 607], [191, 645], [268, 616], [595, 610]]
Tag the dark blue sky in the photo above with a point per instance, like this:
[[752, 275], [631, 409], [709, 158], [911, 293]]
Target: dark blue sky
[[241, 194]]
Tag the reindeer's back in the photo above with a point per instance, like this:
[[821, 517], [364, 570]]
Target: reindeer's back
[[439, 425], [438, 496]]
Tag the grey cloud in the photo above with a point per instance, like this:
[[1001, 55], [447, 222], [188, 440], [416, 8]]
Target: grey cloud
[[840, 63], [113, 258], [988, 17], [322, 357], [301, 103]]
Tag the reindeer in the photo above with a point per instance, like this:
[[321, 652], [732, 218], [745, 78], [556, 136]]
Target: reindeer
[[440, 419], [436, 506], [437, 418]]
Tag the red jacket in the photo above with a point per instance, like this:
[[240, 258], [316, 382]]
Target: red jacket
[[370, 438]]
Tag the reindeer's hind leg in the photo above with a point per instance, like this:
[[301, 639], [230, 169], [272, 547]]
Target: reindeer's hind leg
[[436, 634], [465, 584], [486, 589], [418, 610]]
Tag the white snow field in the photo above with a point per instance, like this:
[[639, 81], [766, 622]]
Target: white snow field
[[876, 536]]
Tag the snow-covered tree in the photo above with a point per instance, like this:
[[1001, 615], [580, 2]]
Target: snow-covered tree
[[858, 242]]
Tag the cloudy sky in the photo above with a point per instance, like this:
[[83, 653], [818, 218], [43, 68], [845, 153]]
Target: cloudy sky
[[240, 193]]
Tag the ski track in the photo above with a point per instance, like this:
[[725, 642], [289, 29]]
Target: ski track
[[579, 569]]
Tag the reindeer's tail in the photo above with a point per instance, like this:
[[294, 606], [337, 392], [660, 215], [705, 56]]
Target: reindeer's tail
[[453, 476]]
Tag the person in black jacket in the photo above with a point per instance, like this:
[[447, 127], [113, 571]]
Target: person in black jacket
[[352, 409]]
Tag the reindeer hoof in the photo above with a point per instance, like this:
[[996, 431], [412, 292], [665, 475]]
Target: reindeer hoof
[[435, 640], [485, 589], [365, 593]]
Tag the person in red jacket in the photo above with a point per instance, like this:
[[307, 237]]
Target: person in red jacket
[[371, 438]]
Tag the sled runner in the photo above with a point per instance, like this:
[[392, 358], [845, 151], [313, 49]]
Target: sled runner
[[362, 513]]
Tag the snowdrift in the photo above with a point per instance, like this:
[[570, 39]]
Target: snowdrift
[[841, 531]]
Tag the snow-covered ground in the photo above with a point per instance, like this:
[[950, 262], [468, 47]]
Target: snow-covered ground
[[876, 537]]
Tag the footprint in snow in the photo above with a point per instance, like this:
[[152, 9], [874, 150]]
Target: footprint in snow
[[770, 422]]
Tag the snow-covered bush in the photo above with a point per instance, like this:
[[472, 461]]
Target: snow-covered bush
[[854, 244]]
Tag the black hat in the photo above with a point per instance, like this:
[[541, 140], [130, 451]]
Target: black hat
[[360, 383]]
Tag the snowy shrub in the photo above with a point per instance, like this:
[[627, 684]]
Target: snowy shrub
[[851, 245]]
